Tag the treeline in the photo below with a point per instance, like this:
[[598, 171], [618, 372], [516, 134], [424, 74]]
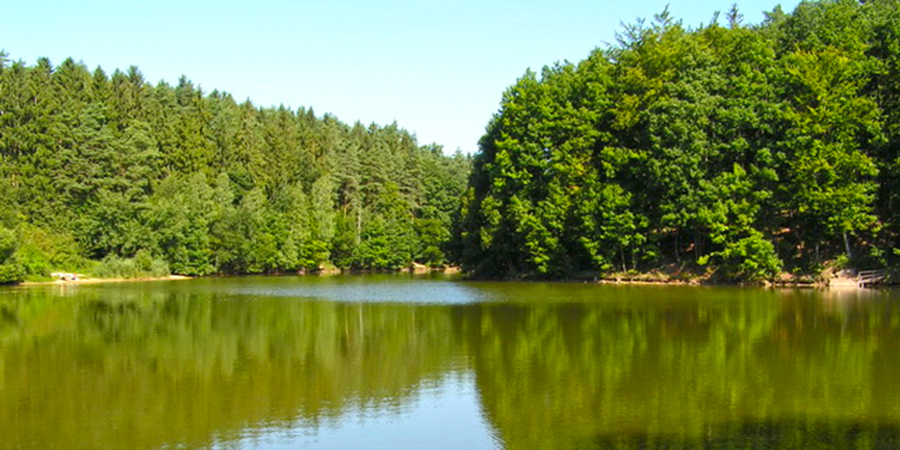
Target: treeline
[[157, 178], [746, 150]]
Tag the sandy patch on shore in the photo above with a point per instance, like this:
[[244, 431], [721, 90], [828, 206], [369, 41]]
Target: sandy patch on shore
[[106, 280]]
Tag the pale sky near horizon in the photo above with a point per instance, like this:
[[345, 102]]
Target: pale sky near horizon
[[437, 68]]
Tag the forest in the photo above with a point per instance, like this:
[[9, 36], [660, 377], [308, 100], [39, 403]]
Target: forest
[[118, 177], [742, 151]]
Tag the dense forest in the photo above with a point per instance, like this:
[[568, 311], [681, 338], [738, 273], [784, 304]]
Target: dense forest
[[152, 179], [740, 150], [732, 150]]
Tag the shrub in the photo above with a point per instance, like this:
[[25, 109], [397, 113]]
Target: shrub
[[141, 266], [11, 270], [751, 259], [42, 252]]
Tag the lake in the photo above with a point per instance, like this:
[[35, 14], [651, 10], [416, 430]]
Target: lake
[[396, 361]]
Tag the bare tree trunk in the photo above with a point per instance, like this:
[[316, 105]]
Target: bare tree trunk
[[847, 246], [358, 224]]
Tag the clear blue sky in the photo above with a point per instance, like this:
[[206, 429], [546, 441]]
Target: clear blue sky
[[438, 68]]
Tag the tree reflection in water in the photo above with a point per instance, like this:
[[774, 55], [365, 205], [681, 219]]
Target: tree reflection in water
[[553, 365]]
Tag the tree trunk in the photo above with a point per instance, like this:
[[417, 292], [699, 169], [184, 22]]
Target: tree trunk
[[847, 246], [358, 224]]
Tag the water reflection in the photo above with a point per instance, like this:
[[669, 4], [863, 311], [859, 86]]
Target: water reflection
[[688, 374], [134, 368], [288, 362]]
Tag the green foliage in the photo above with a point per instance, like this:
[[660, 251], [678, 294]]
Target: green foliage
[[96, 166], [388, 240], [747, 148], [11, 270], [178, 216], [42, 253], [143, 265], [749, 259], [431, 234], [829, 176]]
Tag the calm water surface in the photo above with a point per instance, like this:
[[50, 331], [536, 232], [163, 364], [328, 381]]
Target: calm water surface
[[403, 362]]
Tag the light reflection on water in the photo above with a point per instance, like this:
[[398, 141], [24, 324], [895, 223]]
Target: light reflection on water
[[452, 403], [360, 289]]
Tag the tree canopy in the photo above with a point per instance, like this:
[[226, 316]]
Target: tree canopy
[[100, 167], [740, 149]]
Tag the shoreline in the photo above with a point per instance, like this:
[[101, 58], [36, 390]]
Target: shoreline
[[408, 271], [837, 283], [834, 284], [104, 280]]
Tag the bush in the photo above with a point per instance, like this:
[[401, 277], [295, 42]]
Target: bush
[[11, 270], [42, 252], [751, 259], [143, 265]]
